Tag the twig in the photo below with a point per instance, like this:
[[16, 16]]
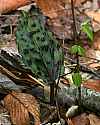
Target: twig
[[74, 22], [56, 97], [66, 74], [83, 67], [9, 15]]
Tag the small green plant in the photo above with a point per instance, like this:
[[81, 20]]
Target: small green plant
[[86, 28], [40, 50], [78, 51]]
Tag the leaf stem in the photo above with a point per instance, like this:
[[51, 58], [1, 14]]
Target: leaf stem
[[79, 87], [74, 22], [75, 36]]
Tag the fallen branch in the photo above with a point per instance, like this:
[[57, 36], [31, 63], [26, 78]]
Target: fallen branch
[[90, 98], [9, 5]]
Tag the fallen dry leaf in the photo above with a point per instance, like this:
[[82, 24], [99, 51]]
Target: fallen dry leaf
[[9, 5], [51, 8], [93, 57], [95, 65], [20, 105], [94, 120], [96, 41], [80, 120], [92, 84], [48, 7], [95, 15], [70, 122], [84, 119]]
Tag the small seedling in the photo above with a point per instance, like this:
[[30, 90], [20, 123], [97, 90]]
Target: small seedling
[[78, 51]]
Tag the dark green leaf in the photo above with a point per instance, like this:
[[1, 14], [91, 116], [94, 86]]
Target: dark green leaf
[[76, 49], [77, 79], [86, 28], [40, 51], [81, 51]]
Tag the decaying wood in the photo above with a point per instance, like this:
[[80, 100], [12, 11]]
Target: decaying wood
[[67, 95], [11, 67], [90, 98]]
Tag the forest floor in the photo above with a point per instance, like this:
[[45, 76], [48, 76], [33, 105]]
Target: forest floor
[[21, 91]]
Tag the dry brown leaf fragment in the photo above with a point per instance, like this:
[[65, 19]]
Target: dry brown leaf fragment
[[96, 41], [9, 5], [94, 120], [70, 122], [20, 105], [92, 84], [51, 8], [81, 120], [48, 6], [95, 65], [95, 15]]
